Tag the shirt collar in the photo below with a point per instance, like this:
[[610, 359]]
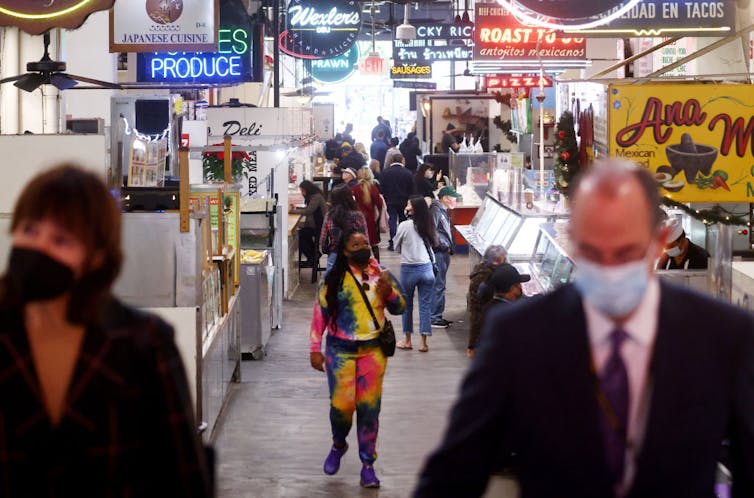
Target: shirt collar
[[641, 325]]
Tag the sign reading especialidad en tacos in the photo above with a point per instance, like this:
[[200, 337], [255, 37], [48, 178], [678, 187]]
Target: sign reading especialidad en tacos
[[697, 139]]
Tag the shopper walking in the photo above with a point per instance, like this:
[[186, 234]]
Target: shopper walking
[[392, 151], [443, 251], [382, 126], [314, 213], [396, 186], [95, 396], [350, 299], [480, 292], [342, 217], [414, 240], [378, 149], [424, 181], [369, 202], [361, 149], [411, 150]]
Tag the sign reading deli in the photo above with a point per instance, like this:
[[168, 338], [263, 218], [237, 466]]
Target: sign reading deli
[[499, 36], [37, 17], [700, 147], [413, 71], [320, 29], [164, 26]]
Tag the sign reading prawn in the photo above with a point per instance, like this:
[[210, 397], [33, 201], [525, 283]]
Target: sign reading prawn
[[701, 147], [499, 36], [320, 29]]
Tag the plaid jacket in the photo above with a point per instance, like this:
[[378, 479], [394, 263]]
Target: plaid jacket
[[127, 428]]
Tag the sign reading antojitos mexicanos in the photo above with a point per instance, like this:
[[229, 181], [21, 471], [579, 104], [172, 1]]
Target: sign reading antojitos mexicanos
[[320, 29], [500, 36], [700, 147], [36, 17]]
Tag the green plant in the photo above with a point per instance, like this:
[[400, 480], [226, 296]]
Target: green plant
[[506, 127], [213, 165]]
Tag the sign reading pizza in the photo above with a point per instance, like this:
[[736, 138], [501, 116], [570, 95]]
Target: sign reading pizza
[[164, 26], [499, 36], [320, 29], [697, 139], [37, 16], [517, 81]]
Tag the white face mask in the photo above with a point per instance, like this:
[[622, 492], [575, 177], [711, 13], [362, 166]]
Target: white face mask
[[429, 174], [614, 290], [673, 252]]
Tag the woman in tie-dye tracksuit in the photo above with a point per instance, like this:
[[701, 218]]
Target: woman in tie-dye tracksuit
[[354, 362]]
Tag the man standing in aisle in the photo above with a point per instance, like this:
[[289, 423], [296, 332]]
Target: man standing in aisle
[[396, 184], [378, 149], [618, 385], [446, 200], [382, 126]]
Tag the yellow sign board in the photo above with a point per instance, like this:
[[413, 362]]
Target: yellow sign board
[[697, 139]]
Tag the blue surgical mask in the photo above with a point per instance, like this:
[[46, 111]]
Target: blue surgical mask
[[614, 290]]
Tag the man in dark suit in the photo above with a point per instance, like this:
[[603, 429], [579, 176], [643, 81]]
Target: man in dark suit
[[616, 386]]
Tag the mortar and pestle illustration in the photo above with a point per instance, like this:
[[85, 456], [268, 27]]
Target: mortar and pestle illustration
[[691, 158]]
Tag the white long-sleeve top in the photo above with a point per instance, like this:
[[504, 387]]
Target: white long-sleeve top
[[409, 243]]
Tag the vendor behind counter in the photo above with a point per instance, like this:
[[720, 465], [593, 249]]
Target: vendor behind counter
[[680, 253]]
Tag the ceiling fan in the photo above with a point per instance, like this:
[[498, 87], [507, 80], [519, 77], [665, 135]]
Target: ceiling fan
[[49, 72]]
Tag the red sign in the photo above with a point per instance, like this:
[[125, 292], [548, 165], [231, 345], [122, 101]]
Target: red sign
[[499, 36], [373, 65], [37, 17], [524, 81]]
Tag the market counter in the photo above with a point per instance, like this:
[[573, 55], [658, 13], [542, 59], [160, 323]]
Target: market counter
[[462, 215]]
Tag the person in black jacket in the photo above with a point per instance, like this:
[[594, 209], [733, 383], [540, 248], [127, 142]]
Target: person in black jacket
[[396, 185], [424, 181], [411, 151]]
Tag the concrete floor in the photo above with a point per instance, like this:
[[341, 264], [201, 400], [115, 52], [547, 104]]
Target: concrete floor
[[275, 433]]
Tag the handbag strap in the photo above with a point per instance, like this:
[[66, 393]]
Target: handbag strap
[[430, 252], [366, 300]]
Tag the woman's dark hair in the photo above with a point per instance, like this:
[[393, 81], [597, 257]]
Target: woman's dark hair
[[342, 204], [79, 201], [309, 189], [422, 219], [334, 279], [423, 169]]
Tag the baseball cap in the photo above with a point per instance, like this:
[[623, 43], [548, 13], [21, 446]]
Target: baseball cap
[[676, 229], [346, 145], [350, 171], [506, 276], [448, 191]]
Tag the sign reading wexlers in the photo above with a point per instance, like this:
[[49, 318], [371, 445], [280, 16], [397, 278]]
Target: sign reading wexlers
[[435, 42], [500, 37], [232, 63], [37, 17], [658, 17], [320, 29], [163, 25]]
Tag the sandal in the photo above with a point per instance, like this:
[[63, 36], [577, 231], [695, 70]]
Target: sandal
[[424, 349], [403, 345]]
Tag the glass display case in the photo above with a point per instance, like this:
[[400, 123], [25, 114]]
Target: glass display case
[[550, 264], [470, 174], [516, 229]]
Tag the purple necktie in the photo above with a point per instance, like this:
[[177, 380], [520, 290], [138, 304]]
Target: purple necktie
[[614, 409]]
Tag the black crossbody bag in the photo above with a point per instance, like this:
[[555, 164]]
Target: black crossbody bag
[[387, 333]]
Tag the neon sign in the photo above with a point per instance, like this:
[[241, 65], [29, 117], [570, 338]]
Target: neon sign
[[320, 29], [231, 63], [524, 81], [37, 17]]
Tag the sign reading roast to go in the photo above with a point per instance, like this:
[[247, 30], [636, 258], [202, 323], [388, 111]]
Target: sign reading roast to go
[[569, 9], [37, 16], [320, 29]]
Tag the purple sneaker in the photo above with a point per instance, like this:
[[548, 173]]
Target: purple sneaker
[[368, 477], [332, 462]]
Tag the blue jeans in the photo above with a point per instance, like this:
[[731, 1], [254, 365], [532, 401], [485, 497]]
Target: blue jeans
[[442, 259], [417, 277], [396, 215]]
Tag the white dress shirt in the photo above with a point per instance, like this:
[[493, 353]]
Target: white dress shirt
[[636, 353]]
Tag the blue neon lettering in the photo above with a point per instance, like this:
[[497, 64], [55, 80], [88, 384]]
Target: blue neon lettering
[[170, 66], [222, 73], [183, 63], [157, 66]]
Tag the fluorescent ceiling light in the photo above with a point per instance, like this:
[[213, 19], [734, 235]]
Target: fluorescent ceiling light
[[532, 18]]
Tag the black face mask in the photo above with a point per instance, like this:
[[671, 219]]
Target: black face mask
[[361, 257], [34, 276]]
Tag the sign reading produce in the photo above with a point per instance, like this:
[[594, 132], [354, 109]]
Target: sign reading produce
[[700, 147]]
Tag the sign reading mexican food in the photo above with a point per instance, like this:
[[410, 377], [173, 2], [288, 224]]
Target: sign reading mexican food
[[697, 139]]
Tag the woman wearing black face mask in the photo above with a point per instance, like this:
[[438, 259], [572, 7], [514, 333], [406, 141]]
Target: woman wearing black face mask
[[95, 397], [355, 363]]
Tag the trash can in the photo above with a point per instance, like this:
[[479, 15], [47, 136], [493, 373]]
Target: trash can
[[255, 298]]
